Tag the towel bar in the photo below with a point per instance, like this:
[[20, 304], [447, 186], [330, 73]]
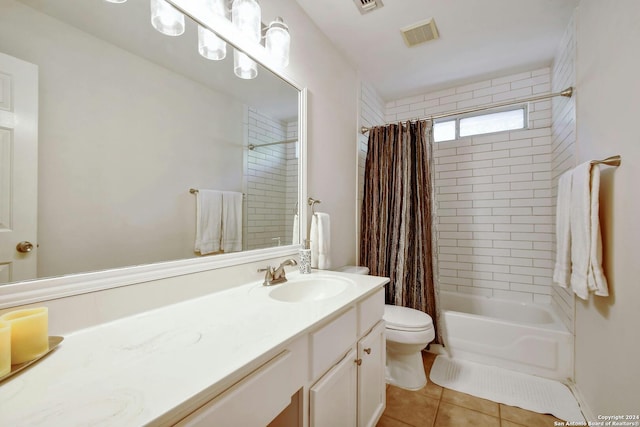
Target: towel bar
[[609, 161]]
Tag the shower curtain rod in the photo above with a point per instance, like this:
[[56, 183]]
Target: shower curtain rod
[[287, 141], [566, 93]]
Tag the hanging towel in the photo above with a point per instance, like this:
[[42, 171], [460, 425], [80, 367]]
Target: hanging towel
[[320, 241], [586, 242], [231, 221], [595, 277], [295, 231], [580, 229], [562, 269], [208, 221]]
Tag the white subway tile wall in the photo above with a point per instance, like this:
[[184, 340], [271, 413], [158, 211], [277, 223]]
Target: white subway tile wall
[[371, 114], [493, 192], [563, 138], [268, 176]]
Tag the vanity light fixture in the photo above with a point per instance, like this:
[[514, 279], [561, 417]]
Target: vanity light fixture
[[211, 46], [166, 18], [278, 41], [245, 15]]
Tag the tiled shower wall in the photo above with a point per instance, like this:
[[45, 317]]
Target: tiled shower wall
[[371, 114], [267, 177], [563, 138], [493, 192]]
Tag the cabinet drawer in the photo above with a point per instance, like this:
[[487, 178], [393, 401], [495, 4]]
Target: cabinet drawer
[[370, 312], [330, 343], [254, 401]]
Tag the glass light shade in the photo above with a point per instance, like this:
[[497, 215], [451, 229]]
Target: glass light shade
[[245, 15], [115, 1], [243, 66], [166, 18], [211, 46], [278, 41]]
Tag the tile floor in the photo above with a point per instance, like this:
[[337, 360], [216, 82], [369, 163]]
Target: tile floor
[[435, 406]]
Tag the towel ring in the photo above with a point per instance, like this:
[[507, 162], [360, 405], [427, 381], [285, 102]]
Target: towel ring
[[312, 203]]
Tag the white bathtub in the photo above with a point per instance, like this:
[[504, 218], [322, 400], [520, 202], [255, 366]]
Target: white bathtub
[[527, 338]]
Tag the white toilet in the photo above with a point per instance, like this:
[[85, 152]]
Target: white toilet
[[408, 331]]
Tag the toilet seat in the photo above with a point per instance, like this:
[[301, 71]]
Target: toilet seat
[[406, 319]]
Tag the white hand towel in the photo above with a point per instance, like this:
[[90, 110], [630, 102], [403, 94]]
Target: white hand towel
[[208, 221], [231, 221], [321, 241], [562, 269], [595, 277], [580, 229], [295, 231]]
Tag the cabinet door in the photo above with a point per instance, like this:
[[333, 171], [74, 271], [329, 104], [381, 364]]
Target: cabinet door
[[371, 382], [333, 397]]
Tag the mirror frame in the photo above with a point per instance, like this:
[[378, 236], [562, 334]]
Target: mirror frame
[[38, 290]]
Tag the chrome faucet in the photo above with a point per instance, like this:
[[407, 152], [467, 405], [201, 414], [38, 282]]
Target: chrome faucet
[[274, 276]]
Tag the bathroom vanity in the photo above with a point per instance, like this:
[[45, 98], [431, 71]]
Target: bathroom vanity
[[246, 356]]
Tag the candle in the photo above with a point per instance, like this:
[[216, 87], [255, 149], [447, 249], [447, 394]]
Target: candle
[[5, 348], [29, 333]]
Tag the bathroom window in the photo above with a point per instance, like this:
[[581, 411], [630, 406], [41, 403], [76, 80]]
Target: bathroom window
[[480, 123]]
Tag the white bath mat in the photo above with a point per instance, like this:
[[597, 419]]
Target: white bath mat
[[503, 386]]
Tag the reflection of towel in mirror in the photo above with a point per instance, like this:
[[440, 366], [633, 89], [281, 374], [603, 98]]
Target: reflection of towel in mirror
[[320, 241], [295, 239], [208, 221], [231, 221], [562, 268]]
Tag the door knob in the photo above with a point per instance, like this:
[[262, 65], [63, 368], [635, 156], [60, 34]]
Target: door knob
[[358, 362], [367, 350], [24, 247]]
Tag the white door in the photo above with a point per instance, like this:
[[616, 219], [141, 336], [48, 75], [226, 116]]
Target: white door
[[371, 382], [18, 168], [333, 397]]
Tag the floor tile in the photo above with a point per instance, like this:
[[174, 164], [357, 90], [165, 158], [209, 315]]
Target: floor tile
[[456, 416], [471, 402], [524, 417], [506, 423], [431, 390], [410, 407], [390, 422]]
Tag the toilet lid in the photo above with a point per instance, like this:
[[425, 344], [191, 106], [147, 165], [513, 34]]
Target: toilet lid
[[406, 319]]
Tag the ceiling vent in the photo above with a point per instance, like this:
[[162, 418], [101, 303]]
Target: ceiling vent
[[420, 32], [366, 6]]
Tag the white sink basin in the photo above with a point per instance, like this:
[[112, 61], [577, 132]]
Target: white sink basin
[[305, 289]]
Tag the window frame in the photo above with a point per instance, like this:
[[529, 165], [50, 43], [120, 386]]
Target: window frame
[[458, 118]]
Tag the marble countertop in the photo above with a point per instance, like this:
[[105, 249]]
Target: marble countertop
[[149, 368]]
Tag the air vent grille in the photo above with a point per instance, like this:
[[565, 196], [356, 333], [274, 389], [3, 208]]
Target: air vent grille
[[365, 6], [420, 32]]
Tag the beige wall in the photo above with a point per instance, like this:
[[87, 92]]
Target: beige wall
[[332, 123], [608, 108]]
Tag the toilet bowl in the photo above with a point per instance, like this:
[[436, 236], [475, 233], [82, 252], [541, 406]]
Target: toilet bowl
[[407, 331]]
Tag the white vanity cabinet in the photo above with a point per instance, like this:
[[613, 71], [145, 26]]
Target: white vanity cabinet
[[351, 392]]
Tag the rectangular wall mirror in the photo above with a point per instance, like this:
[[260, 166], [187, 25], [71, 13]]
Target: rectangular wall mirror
[[129, 121]]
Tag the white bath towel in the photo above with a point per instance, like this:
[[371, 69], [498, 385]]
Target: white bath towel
[[562, 269], [208, 221], [295, 231], [580, 229], [595, 277], [321, 241], [586, 242], [231, 221]]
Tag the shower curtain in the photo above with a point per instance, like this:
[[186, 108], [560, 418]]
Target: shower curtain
[[395, 234]]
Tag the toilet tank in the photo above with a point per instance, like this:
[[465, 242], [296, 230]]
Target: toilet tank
[[353, 269]]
